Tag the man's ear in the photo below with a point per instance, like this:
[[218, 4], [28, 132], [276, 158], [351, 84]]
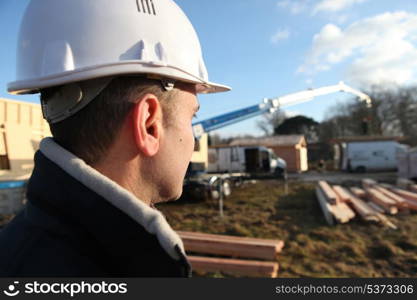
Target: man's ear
[[147, 124]]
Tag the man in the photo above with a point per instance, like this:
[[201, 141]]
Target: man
[[118, 83]]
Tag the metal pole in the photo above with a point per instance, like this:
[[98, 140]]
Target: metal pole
[[221, 197], [285, 183]]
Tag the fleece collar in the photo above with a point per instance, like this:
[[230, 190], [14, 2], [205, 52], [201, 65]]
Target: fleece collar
[[150, 219]]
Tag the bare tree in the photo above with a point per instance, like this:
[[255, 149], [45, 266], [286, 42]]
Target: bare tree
[[393, 112]]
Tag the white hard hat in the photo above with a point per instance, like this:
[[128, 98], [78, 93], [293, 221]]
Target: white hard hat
[[66, 41]]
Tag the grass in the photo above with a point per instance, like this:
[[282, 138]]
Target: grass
[[312, 248]]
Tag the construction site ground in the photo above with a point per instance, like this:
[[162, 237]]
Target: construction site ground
[[312, 248]]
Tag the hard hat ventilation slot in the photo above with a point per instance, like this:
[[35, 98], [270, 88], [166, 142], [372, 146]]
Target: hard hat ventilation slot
[[146, 6]]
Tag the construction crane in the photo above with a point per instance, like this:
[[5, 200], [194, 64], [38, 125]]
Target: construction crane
[[271, 105]]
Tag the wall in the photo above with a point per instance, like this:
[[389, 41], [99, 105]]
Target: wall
[[21, 129]]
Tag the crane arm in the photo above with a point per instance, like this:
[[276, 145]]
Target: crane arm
[[271, 105]]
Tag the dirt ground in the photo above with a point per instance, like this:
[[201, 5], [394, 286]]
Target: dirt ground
[[312, 248]]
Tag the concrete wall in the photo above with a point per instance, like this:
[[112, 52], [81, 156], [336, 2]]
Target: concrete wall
[[21, 129]]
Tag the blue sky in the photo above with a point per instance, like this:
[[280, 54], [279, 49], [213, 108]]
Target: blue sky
[[268, 48]]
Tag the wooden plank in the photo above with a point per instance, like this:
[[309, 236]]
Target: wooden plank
[[325, 206], [400, 202], [341, 193], [368, 183], [362, 208], [358, 192], [386, 222], [234, 266], [405, 194], [328, 192], [376, 207], [409, 197], [243, 239], [341, 212], [411, 204], [231, 248], [386, 203], [348, 213], [374, 211]]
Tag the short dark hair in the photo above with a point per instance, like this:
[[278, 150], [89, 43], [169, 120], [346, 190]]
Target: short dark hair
[[91, 131]]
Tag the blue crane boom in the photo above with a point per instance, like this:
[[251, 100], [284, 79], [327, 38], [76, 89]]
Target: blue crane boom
[[271, 105]]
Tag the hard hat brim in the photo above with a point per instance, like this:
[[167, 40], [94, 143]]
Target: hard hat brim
[[32, 86]]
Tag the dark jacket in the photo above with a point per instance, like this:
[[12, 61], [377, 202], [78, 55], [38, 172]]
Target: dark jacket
[[68, 230]]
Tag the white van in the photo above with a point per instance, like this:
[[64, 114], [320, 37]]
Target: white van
[[370, 155]]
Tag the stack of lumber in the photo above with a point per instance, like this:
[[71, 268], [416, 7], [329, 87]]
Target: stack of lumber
[[362, 208], [370, 202], [332, 202], [234, 247], [386, 203], [370, 211], [409, 197], [400, 202]]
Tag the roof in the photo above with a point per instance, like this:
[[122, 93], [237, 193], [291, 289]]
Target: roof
[[366, 138], [270, 141]]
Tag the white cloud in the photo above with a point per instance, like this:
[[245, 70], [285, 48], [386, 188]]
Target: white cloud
[[334, 5], [294, 6], [281, 34], [382, 48]]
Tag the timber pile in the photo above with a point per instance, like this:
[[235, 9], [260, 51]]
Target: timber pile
[[234, 247], [383, 201], [333, 205], [371, 202], [328, 192]]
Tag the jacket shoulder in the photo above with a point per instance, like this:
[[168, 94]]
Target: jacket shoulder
[[30, 249]]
